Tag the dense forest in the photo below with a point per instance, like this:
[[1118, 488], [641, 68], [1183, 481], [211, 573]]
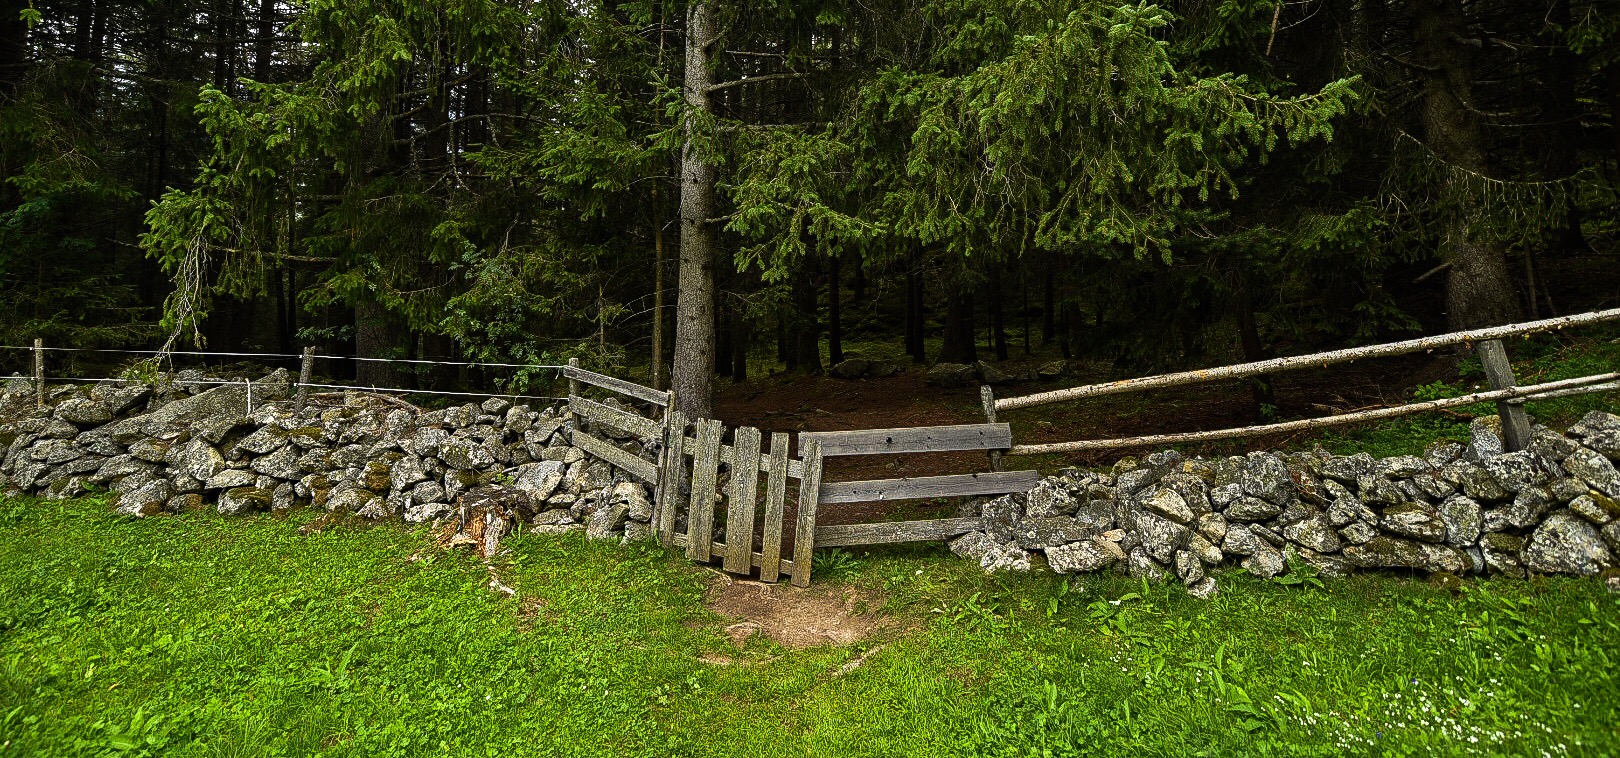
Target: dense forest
[[667, 190]]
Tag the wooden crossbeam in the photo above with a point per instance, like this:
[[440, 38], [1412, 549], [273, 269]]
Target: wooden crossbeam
[[917, 439], [912, 488]]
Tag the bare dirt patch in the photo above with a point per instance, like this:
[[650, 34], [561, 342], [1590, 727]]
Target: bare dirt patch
[[793, 617]]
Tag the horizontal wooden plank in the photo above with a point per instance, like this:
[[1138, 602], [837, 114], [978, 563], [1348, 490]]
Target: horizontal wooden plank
[[916, 439], [719, 548], [844, 535], [634, 465], [600, 413], [617, 385], [954, 485]]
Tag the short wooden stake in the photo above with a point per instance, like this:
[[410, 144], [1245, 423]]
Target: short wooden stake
[[39, 371], [1515, 422], [987, 397], [306, 370]]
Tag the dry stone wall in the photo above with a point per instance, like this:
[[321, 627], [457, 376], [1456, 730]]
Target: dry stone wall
[[1458, 509], [484, 468], [186, 444]]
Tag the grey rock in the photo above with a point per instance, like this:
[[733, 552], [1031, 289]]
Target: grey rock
[[428, 492], [1005, 557], [148, 449], [1349, 469], [1265, 476], [224, 400], [1594, 469], [1131, 482], [1213, 527], [1001, 515], [1595, 422], [1042, 533], [315, 460], [1414, 520], [1266, 562], [518, 419], [1327, 566], [951, 375], [1393, 552], [1376, 489], [1193, 490], [1402, 466], [1189, 568], [147, 498], [184, 502], [1433, 487], [1167, 503], [1515, 471], [1475, 481], [1049, 498], [1085, 556], [563, 454], [267, 439], [124, 465], [1595, 507], [633, 496], [465, 455], [636, 531], [347, 498], [1140, 565], [1441, 452], [55, 452], [989, 374], [1566, 489], [1315, 533], [420, 511], [1347, 508], [197, 458], [851, 368], [606, 522], [58, 429], [1268, 534], [1159, 536], [1567, 544], [1205, 550], [425, 442], [120, 398], [1485, 438], [972, 545], [230, 478], [283, 497], [1248, 508], [1464, 520], [1550, 445], [82, 411], [282, 464], [1051, 371], [406, 473], [235, 502], [1223, 495], [554, 517], [1240, 540], [1204, 590], [495, 406], [1611, 535]]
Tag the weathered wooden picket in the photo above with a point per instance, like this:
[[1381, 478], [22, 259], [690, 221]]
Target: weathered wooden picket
[[923, 439]]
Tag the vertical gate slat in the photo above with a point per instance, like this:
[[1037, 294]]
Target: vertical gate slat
[[669, 480], [804, 535], [705, 465], [744, 489], [776, 479]]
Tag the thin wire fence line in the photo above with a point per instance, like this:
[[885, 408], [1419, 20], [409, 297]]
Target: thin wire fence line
[[283, 355], [350, 387]]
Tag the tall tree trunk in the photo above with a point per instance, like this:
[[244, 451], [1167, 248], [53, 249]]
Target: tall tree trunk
[[806, 332], [1478, 290], [264, 43], [960, 343], [835, 323], [374, 337], [916, 330], [1561, 124], [998, 314], [693, 376], [13, 45], [657, 369]]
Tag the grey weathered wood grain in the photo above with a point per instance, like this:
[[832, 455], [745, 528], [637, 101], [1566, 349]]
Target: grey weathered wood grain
[[575, 373], [776, 483], [912, 488], [1499, 372], [917, 439], [598, 413], [740, 511], [705, 467], [634, 465], [669, 480], [728, 456], [1526, 391], [1257, 368], [845, 535], [987, 399], [756, 559], [804, 533]]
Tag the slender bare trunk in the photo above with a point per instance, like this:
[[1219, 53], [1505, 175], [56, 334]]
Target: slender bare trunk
[[693, 375]]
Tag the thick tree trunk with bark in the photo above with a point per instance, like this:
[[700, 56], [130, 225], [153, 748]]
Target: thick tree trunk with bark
[[374, 337], [806, 332], [693, 375], [1478, 290], [960, 345]]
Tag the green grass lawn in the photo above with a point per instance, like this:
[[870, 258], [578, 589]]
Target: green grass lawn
[[205, 635]]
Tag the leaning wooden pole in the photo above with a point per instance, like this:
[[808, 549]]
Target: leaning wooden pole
[[1316, 423], [39, 371], [1244, 370]]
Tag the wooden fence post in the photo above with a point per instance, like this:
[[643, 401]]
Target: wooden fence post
[[39, 371], [987, 397], [1515, 423], [305, 370]]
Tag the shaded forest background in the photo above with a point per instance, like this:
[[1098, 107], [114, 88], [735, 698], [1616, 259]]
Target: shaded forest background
[[1159, 186]]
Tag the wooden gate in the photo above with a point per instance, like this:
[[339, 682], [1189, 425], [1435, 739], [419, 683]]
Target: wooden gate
[[689, 485]]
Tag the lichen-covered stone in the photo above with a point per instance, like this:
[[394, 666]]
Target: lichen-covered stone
[[1167, 503], [1566, 544], [1042, 533], [281, 464], [1265, 476], [1594, 469], [1084, 556], [147, 498], [1414, 520], [1213, 527], [1515, 471], [1393, 552], [1464, 520], [1266, 562], [1315, 533], [231, 478], [235, 502], [1596, 507], [1250, 508]]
